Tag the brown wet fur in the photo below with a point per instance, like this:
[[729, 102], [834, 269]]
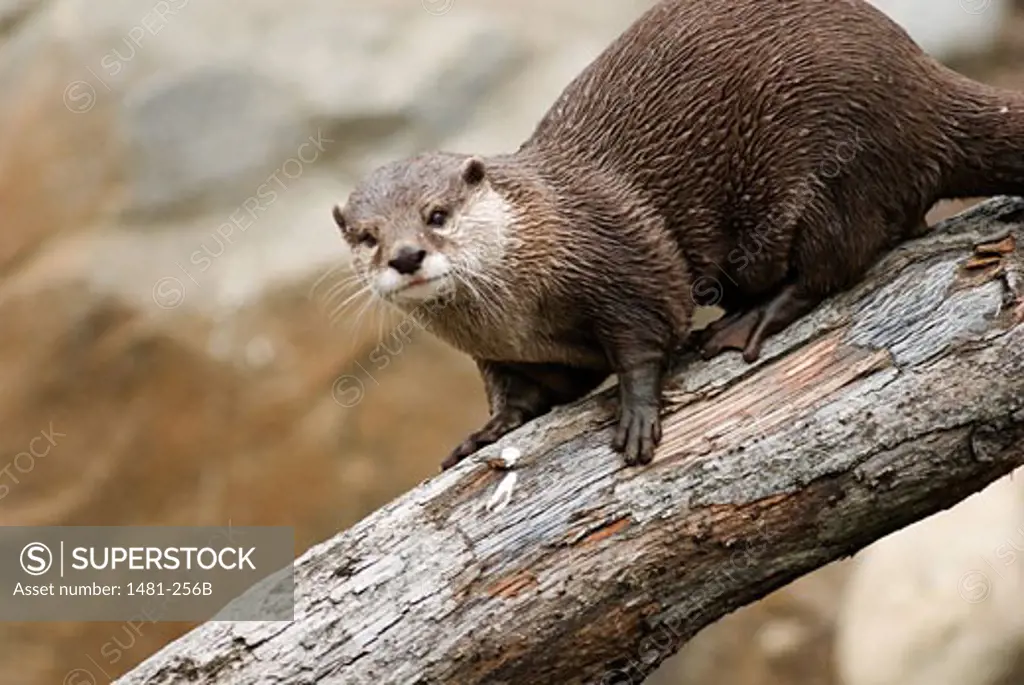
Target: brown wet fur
[[755, 154]]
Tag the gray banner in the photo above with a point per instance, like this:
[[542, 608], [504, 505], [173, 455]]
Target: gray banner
[[113, 573]]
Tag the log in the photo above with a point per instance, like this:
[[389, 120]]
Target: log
[[887, 404]]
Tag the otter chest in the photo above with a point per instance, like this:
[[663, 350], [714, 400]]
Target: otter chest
[[512, 337]]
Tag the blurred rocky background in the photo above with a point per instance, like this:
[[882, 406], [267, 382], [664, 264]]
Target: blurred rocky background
[[175, 325]]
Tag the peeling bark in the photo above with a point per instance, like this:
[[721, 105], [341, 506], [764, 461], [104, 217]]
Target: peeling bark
[[889, 403]]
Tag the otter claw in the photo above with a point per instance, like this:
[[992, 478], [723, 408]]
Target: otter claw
[[469, 446], [638, 433]]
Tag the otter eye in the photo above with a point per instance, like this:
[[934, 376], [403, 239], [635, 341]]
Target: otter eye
[[437, 218]]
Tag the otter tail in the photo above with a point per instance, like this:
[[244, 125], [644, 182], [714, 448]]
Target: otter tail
[[986, 128]]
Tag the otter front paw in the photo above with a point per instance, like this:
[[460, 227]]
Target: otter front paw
[[468, 447], [505, 421], [639, 432]]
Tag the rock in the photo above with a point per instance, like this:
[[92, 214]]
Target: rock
[[950, 29], [182, 420], [198, 139], [785, 639], [250, 80], [198, 126], [57, 174], [939, 602], [14, 11]]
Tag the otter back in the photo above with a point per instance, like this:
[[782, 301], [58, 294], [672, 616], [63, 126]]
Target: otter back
[[746, 122]]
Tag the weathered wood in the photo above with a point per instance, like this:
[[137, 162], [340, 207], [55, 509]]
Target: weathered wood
[[889, 403]]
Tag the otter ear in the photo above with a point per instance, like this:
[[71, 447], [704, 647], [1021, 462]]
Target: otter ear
[[339, 218], [473, 171]]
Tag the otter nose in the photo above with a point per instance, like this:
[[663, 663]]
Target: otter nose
[[408, 260]]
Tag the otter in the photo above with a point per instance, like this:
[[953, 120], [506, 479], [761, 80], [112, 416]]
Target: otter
[[759, 155]]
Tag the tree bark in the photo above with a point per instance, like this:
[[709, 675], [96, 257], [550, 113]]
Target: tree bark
[[889, 403]]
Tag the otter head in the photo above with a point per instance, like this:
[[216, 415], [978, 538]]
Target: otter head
[[421, 227]]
